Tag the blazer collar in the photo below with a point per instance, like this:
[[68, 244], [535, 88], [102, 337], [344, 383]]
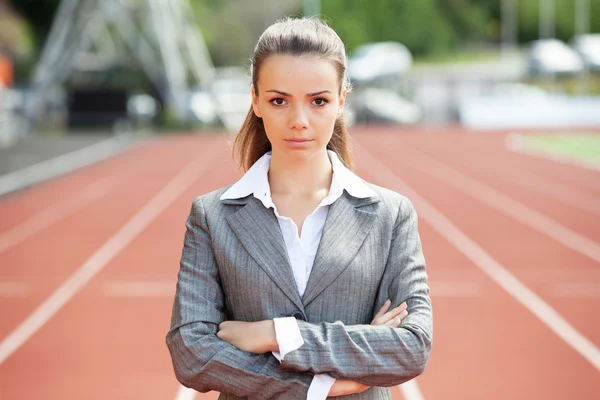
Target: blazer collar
[[348, 222], [256, 182]]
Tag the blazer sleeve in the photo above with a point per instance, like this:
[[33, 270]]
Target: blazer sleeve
[[200, 359], [378, 355]]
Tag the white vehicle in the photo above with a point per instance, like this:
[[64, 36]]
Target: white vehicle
[[553, 57], [379, 61], [588, 47]]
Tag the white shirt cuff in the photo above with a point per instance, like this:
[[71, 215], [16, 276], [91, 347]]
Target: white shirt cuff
[[320, 387], [288, 336]]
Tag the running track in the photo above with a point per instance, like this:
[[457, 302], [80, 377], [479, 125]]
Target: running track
[[88, 266]]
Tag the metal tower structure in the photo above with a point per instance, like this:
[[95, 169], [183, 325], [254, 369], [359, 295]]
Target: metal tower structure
[[93, 34]]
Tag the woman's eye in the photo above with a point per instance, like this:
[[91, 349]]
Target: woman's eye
[[320, 101], [278, 101]]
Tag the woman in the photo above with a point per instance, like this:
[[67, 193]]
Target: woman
[[282, 272]]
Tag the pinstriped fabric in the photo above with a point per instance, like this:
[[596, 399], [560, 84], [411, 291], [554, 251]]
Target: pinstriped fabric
[[234, 265]]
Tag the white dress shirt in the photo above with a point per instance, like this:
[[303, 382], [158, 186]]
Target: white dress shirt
[[302, 248]]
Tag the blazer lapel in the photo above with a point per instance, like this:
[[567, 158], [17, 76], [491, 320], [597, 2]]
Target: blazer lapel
[[257, 229], [346, 228]]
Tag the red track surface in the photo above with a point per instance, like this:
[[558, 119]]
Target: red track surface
[[104, 344]]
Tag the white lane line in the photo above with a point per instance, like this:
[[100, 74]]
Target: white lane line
[[185, 393], [565, 194], [139, 289], [106, 253], [62, 164], [410, 390], [54, 213], [13, 289], [492, 268], [504, 204], [515, 142], [577, 290], [454, 289]]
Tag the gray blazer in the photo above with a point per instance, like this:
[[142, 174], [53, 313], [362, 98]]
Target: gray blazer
[[235, 266]]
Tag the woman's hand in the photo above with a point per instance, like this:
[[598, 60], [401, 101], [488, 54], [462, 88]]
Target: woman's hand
[[259, 337], [342, 387], [392, 318], [253, 337]]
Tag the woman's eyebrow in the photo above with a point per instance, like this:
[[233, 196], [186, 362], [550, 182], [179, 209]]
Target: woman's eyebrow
[[318, 93], [289, 95], [279, 92]]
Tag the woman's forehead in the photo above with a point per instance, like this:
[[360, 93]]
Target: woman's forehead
[[305, 73]]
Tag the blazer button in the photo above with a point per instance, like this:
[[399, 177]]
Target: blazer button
[[298, 315]]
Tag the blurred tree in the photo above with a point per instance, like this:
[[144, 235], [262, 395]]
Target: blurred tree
[[420, 25], [469, 18], [39, 14], [15, 38], [564, 15], [231, 27], [528, 12]]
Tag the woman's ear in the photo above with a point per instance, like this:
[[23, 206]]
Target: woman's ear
[[255, 103], [342, 102]]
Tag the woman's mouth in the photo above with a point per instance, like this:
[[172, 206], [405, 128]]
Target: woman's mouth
[[298, 142]]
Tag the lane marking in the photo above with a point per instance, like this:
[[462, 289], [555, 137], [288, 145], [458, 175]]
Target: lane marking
[[121, 239], [410, 390], [139, 289], [486, 263], [55, 213], [185, 393], [14, 289], [506, 205], [62, 164], [567, 195]]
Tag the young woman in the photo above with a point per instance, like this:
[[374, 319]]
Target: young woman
[[287, 277]]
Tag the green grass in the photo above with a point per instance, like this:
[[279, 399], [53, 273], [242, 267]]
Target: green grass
[[457, 57], [583, 147]]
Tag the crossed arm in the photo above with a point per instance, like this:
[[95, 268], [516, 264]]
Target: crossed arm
[[206, 356], [203, 361]]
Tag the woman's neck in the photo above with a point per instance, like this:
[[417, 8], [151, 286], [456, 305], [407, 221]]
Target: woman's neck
[[302, 178]]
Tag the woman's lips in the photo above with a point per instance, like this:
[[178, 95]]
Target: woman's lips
[[298, 142]]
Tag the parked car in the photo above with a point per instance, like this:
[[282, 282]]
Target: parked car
[[553, 57], [588, 48], [376, 62]]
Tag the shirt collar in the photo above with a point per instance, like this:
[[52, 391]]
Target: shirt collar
[[256, 182]]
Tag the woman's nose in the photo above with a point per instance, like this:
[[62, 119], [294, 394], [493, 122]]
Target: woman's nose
[[298, 118]]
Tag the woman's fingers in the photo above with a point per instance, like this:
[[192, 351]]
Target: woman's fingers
[[383, 309], [397, 321], [384, 318]]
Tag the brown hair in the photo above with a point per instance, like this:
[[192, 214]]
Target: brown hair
[[297, 37]]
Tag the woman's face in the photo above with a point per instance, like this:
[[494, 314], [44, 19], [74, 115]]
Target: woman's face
[[298, 99]]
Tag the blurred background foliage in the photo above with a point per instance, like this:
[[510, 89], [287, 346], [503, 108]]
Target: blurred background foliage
[[429, 28]]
